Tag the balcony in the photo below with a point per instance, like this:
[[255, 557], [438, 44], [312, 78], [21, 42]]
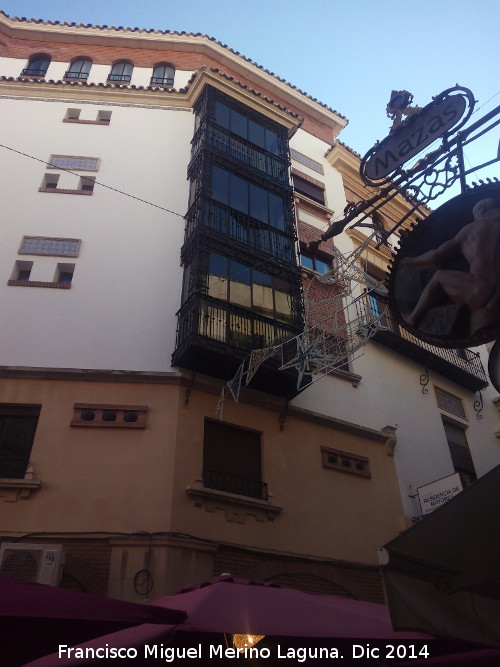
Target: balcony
[[239, 227], [214, 337], [238, 148], [462, 366]]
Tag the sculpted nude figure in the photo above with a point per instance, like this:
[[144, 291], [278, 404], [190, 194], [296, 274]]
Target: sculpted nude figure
[[479, 287]]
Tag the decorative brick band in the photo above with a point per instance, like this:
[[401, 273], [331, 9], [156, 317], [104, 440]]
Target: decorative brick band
[[66, 191], [37, 283]]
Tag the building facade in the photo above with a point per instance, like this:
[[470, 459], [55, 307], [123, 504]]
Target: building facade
[[159, 192]]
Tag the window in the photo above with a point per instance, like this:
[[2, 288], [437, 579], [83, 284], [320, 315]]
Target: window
[[22, 270], [86, 184], [450, 403], [247, 198], [121, 72], [41, 245], [74, 162], [246, 127], [232, 460], [79, 69], [242, 285], [37, 65], [310, 190], [312, 262], [64, 273], [459, 450], [163, 75], [17, 431]]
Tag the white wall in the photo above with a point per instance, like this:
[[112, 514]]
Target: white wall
[[120, 310]]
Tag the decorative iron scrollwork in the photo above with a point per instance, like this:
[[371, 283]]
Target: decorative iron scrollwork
[[424, 381], [479, 405]]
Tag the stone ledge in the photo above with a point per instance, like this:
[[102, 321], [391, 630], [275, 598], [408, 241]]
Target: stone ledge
[[211, 499], [15, 489]]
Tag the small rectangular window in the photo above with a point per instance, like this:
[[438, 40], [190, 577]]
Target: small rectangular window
[[87, 183], [18, 425], [232, 460], [22, 270], [308, 189], [64, 273], [459, 450], [72, 114]]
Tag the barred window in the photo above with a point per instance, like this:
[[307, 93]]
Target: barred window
[[74, 162], [36, 245]]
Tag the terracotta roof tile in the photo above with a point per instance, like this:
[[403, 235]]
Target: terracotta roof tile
[[175, 32]]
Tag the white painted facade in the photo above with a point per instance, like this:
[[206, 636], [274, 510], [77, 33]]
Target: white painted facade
[[120, 310]]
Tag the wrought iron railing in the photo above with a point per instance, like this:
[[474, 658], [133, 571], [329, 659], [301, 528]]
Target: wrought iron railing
[[240, 227], [33, 72], [161, 81], [242, 486], [76, 75], [224, 322], [465, 359], [237, 147]]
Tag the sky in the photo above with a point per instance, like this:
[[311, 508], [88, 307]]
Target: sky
[[349, 54]]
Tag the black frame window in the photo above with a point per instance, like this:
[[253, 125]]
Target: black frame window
[[37, 65], [79, 69], [314, 263], [460, 452], [121, 71], [248, 198], [18, 425], [163, 75], [242, 285], [308, 189], [246, 127]]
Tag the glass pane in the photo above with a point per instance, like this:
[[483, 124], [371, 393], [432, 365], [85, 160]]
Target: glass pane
[[276, 212], [217, 287], [159, 72], [261, 278], [239, 194], [256, 134], [220, 185], [240, 272], [238, 124], [320, 266], [218, 265], [283, 304], [307, 262], [263, 299], [258, 203], [272, 142], [222, 116]]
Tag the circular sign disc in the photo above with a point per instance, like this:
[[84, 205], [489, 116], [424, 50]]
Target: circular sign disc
[[444, 285]]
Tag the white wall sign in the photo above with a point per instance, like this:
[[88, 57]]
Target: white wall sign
[[438, 493]]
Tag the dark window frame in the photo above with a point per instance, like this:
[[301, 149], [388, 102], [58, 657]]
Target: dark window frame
[[16, 445], [82, 71], [38, 64], [160, 78], [232, 460], [117, 76]]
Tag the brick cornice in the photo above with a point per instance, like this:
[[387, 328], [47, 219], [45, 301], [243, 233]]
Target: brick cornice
[[47, 33]]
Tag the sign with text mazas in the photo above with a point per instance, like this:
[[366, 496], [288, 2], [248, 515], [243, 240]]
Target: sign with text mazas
[[438, 493], [415, 133]]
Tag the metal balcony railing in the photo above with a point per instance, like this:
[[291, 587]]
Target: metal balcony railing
[[224, 322], [240, 227], [237, 147], [462, 365], [212, 479]]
